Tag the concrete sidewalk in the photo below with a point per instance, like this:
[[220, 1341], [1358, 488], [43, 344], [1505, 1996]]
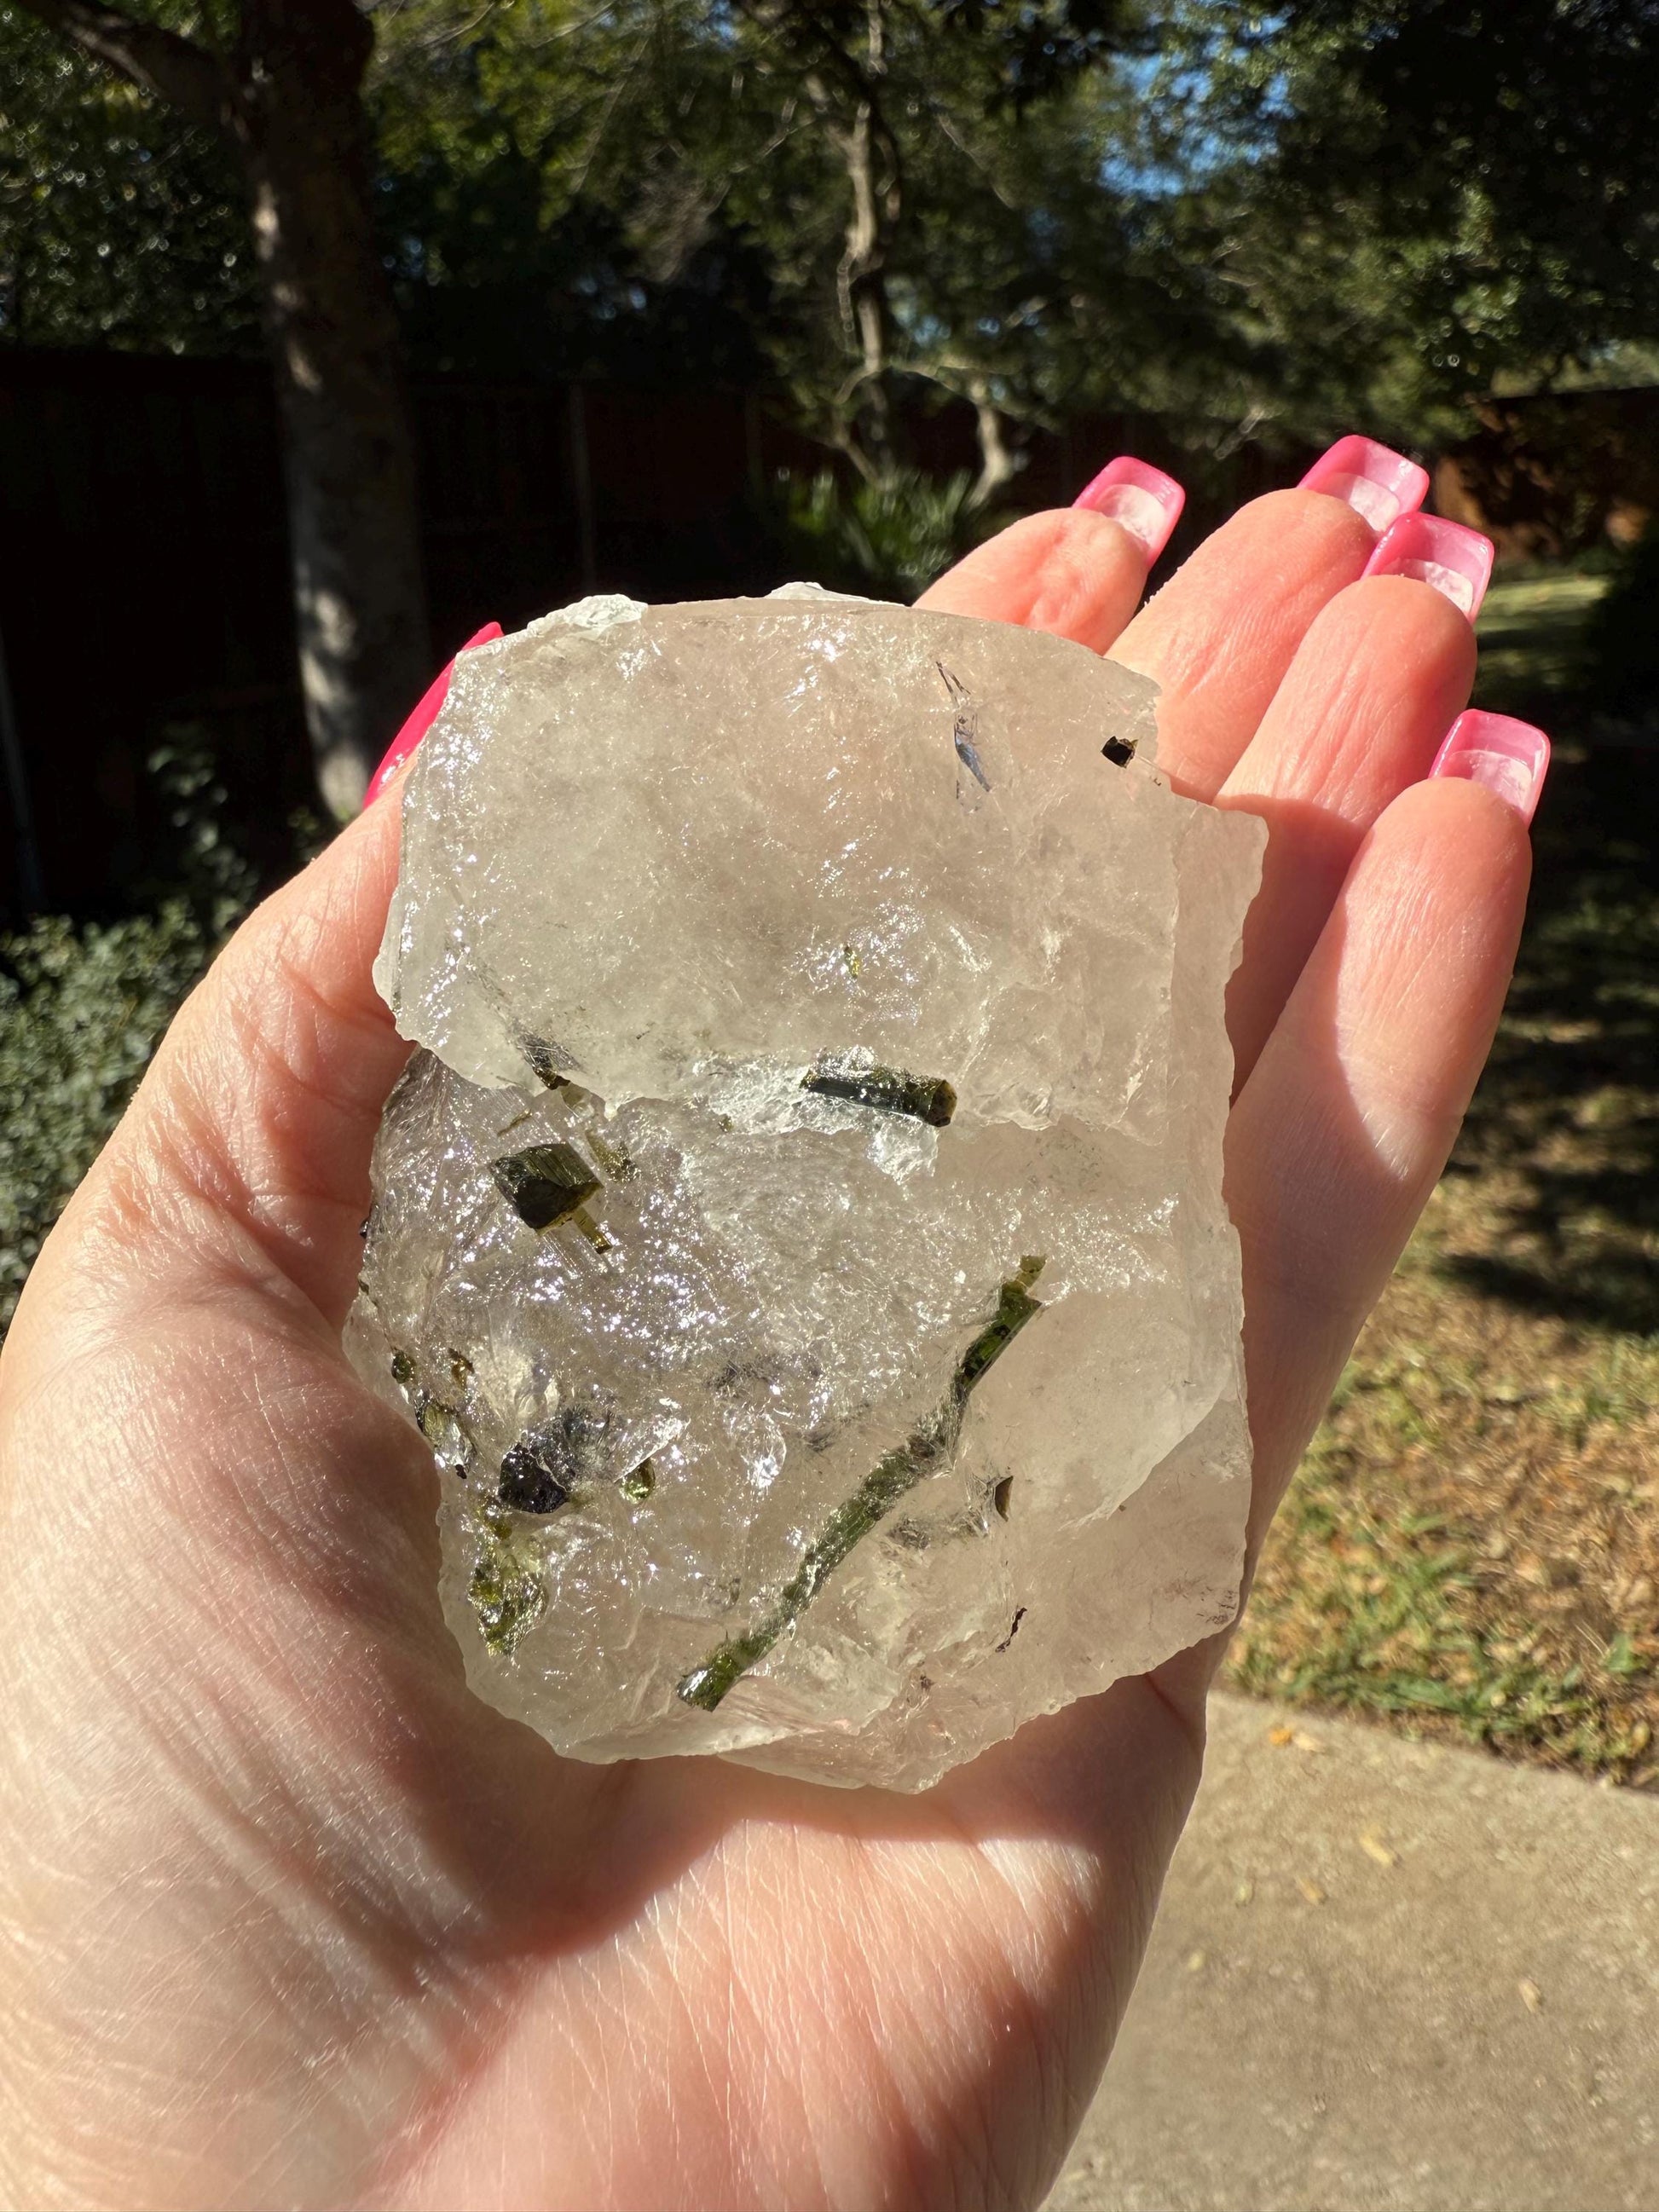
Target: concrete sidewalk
[[1387, 1975]]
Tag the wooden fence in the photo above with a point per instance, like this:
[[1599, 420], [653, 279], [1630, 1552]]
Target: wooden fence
[[143, 578], [143, 581], [143, 568]]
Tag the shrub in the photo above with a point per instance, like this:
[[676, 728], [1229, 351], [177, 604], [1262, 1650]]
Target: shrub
[[888, 540], [81, 1010], [84, 1004]]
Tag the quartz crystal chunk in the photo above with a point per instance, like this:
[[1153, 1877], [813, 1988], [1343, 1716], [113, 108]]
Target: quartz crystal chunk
[[799, 1235]]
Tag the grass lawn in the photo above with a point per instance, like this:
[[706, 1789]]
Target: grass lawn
[[1471, 1549]]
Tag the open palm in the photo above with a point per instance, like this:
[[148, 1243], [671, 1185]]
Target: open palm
[[289, 1917]]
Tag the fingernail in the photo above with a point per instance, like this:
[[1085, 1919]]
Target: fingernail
[[1376, 482], [1455, 561], [1143, 499], [424, 715], [1510, 757]]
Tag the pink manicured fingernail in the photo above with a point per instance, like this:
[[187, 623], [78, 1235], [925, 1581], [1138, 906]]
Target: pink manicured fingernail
[[1143, 499], [1376, 481], [424, 715], [1455, 561], [1510, 757]]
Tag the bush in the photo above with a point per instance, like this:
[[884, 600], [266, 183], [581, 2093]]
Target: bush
[[81, 1010], [887, 541], [84, 1004]]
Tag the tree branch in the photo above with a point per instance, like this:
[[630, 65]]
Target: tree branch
[[185, 75]]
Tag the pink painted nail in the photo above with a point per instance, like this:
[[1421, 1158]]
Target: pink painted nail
[[424, 716], [1143, 499], [1376, 482], [1510, 757], [1455, 561]]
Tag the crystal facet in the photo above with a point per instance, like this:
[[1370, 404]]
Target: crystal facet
[[799, 1236]]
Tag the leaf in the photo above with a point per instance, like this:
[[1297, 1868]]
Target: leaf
[[1422, 1690], [1621, 1656]]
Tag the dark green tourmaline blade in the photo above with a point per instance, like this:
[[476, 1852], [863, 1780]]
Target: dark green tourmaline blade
[[926, 1098], [545, 1184], [928, 1449]]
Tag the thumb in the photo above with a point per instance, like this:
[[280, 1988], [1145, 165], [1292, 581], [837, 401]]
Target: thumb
[[248, 1142]]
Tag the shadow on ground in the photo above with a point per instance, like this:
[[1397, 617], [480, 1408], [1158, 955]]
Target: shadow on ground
[[1567, 1111]]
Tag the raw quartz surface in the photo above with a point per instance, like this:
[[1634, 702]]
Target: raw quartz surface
[[799, 1236]]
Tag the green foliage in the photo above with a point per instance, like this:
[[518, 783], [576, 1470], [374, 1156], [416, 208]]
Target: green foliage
[[504, 262], [121, 225], [217, 880], [1264, 225], [844, 197], [81, 1010], [886, 540], [1415, 198], [83, 1006], [1522, 136]]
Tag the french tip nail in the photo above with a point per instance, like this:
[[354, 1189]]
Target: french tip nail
[[423, 715], [1510, 757], [1142, 499], [1378, 484], [1457, 561]]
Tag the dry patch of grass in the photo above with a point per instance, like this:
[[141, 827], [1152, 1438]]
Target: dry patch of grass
[[1472, 1546]]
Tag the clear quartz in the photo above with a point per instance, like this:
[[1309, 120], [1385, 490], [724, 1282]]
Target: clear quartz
[[799, 1235]]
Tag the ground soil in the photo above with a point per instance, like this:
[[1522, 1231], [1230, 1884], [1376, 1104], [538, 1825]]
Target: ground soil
[[1472, 1547]]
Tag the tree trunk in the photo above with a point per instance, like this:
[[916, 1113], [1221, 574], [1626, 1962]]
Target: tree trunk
[[869, 156], [997, 466], [347, 445], [289, 99], [863, 288]]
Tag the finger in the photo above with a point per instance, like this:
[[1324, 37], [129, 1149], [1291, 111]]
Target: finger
[[1339, 1136], [1375, 481], [256, 1121], [1220, 637], [1077, 571], [266, 1094], [1374, 687], [422, 716]]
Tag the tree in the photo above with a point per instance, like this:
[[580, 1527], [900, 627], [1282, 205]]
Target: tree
[[877, 205], [281, 85], [1415, 197], [921, 180], [499, 268], [120, 223], [1524, 136]]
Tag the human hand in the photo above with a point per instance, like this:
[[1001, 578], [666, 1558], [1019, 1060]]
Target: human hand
[[289, 1916]]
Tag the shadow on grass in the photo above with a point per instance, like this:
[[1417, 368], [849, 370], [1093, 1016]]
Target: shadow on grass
[[1567, 1120]]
